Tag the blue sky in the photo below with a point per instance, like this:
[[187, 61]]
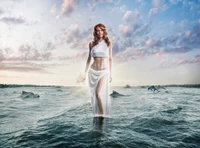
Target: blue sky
[[46, 42]]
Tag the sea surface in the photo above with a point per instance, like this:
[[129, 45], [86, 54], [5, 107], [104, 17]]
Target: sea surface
[[62, 117]]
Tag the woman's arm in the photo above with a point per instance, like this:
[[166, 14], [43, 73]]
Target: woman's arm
[[89, 59], [110, 61]]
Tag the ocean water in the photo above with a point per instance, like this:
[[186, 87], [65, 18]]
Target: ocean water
[[62, 117]]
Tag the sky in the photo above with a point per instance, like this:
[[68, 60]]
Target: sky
[[45, 42]]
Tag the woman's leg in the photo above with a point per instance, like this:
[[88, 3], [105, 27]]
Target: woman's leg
[[98, 94]]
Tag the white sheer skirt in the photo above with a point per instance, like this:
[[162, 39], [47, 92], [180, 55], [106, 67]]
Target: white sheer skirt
[[93, 78]]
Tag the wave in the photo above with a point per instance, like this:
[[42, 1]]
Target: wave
[[69, 112]]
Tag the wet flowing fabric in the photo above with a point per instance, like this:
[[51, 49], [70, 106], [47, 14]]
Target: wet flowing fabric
[[93, 78]]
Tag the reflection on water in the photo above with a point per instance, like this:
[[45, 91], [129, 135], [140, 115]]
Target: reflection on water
[[98, 123], [99, 127]]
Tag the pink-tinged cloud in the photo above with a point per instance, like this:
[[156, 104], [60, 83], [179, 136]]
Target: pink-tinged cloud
[[72, 34], [182, 61], [30, 53], [68, 7], [175, 62], [132, 54], [77, 39], [160, 53], [24, 53], [81, 56], [125, 30], [152, 43], [131, 15], [163, 61], [181, 42], [53, 9]]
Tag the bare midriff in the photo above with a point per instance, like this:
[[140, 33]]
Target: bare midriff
[[99, 63]]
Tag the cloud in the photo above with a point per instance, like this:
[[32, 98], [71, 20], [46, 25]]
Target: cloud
[[1, 56], [153, 43], [191, 38], [68, 7], [133, 35], [22, 67], [1, 11], [72, 34], [158, 3], [115, 44], [24, 53], [182, 24], [120, 9], [125, 30], [133, 23], [14, 20], [53, 9], [142, 3], [171, 23], [178, 43], [95, 3], [77, 39], [193, 6], [142, 45], [153, 11], [25, 58], [165, 63], [79, 56], [158, 6], [132, 53], [49, 46], [173, 2], [131, 16], [177, 49], [195, 60]]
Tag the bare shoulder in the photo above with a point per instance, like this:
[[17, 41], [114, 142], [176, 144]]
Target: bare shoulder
[[91, 44]]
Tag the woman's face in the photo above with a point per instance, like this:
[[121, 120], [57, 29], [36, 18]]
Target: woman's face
[[99, 32]]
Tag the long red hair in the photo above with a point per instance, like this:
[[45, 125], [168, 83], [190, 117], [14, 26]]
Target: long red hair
[[105, 34]]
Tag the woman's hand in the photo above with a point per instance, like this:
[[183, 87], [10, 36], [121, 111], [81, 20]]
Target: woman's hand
[[110, 79], [81, 78]]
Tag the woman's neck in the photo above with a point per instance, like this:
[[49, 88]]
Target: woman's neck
[[99, 40]]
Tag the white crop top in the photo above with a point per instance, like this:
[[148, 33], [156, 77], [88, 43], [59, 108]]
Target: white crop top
[[100, 50]]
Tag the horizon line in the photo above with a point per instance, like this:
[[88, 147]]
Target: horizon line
[[43, 85]]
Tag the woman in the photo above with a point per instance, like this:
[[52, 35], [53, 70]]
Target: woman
[[100, 72]]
